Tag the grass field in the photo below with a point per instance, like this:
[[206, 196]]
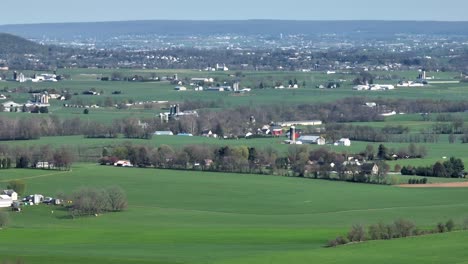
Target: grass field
[[196, 217]]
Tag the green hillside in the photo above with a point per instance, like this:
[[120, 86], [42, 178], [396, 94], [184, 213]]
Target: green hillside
[[201, 217]]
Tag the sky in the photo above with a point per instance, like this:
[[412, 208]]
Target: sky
[[51, 11]]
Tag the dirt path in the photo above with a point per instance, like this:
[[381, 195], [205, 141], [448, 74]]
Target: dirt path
[[437, 185]]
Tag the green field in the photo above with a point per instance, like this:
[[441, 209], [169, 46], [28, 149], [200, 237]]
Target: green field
[[197, 217]]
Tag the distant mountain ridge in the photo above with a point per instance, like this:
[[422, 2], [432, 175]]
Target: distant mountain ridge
[[10, 44], [241, 27]]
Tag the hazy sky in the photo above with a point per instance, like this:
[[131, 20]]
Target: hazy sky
[[41, 11]]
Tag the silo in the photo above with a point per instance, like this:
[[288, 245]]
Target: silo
[[292, 133]]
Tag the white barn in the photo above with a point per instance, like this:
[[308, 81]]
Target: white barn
[[343, 142], [312, 140], [11, 193], [5, 201]]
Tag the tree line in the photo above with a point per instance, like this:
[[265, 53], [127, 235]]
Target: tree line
[[400, 228], [298, 161], [452, 168], [44, 156]]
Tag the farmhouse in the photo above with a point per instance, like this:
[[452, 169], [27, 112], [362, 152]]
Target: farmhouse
[[370, 168], [5, 201], [312, 140]]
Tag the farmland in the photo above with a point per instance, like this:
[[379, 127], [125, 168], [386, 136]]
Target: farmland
[[191, 216], [200, 217]]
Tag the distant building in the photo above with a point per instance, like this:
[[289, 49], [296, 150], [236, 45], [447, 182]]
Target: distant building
[[163, 133], [343, 142], [312, 140], [5, 201], [180, 88], [300, 123], [11, 193]]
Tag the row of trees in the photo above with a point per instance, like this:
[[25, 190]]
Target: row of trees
[[398, 229], [298, 161], [29, 156], [450, 168]]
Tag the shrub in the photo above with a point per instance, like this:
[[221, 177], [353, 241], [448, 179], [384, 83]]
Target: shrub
[[337, 241], [117, 199], [403, 228], [440, 227], [357, 233], [4, 219], [465, 224], [449, 225]]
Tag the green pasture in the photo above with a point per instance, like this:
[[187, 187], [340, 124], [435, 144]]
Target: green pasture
[[201, 217]]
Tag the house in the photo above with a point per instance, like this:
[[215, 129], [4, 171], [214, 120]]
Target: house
[[312, 140], [370, 168], [123, 163], [5, 201], [44, 165], [11, 193], [343, 142]]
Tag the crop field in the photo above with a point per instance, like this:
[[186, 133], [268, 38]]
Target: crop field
[[200, 217]]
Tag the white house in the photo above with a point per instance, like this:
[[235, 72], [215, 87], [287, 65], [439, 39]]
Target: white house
[[312, 140], [5, 201], [343, 142]]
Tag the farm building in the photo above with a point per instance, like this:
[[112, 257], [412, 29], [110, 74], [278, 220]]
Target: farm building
[[123, 163], [343, 142], [276, 131], [163, 133], [180, 88], [370, 168], [11, 106], [11, 193], [5, 201], [301, 123], [312, 140]]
